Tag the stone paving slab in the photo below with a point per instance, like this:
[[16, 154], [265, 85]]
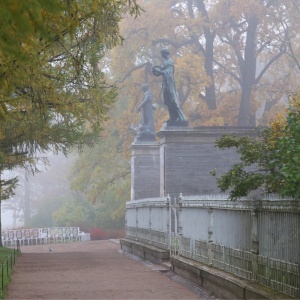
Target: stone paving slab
[[89, 270]]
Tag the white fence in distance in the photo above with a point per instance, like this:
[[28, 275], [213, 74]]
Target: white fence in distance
[[36, 236]]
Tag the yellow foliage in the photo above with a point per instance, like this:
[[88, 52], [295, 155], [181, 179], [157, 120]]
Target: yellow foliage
[[172, 26], [279, 122]]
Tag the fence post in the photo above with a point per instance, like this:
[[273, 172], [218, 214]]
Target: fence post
[[255, 244], [180, 223], [210, 236], [2, 276], [150, 231], [168, 221], [180, 199], [126, 228], [137, 223], [6, 266]]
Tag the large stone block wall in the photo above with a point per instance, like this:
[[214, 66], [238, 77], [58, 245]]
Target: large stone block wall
[[188, 155], [190, 174], [181, 162], [145, 179]]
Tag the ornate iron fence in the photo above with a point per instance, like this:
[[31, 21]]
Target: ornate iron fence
[[254, 239]]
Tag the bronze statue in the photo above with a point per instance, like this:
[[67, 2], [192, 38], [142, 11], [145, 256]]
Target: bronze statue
[[177, 117], [146, 131]]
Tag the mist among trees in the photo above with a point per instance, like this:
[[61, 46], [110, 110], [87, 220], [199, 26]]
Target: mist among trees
[[236, 63], [79, 85]]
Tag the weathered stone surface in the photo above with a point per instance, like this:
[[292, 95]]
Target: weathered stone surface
[[181, 162], [144, 170], [221, 283], [188, 155], [144, 251]]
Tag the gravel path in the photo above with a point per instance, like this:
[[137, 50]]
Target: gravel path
[[91, 270]]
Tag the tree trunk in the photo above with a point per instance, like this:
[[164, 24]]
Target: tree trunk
[[1, 245], [210, 91], [27, 202], [15, 214], [248, 70]]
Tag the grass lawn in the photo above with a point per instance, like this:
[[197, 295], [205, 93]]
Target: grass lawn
[[6, 264]]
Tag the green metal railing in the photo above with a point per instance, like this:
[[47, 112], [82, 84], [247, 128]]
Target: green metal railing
[[7, 266]]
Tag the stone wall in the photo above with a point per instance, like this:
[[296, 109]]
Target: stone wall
[[145, 170], [188, 155], [181, 162]]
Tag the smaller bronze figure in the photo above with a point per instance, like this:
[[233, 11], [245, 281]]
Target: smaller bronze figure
[[146, 131], [177, 117]]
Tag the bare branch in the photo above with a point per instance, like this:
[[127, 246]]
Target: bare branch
[[141, 66], [282, 50], [228, 72], [262, 47], [174, 44]]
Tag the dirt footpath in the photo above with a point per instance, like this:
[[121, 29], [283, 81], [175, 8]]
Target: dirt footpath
[[89, 270]]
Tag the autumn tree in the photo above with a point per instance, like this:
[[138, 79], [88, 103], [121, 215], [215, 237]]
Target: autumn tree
[[36, 197], [53, 94], [230, 57], [76, 211], [233, 66], [102, 173], [109, 213], [270, 160]]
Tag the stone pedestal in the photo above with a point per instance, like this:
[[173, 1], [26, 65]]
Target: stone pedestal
[[188, 155], [144, 170]]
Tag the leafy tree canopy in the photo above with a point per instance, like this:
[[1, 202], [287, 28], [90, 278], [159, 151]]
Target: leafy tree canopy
[[102, 173], [213, 45], [233, 63], [53, 94], [106, 163], [270, 160]]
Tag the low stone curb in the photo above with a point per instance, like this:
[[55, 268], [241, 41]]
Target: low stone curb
[[221, 283]]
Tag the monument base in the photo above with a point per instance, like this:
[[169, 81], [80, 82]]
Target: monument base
[[144, 170], [181, 161], [145, 137], [179, 123], [188, 155]]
